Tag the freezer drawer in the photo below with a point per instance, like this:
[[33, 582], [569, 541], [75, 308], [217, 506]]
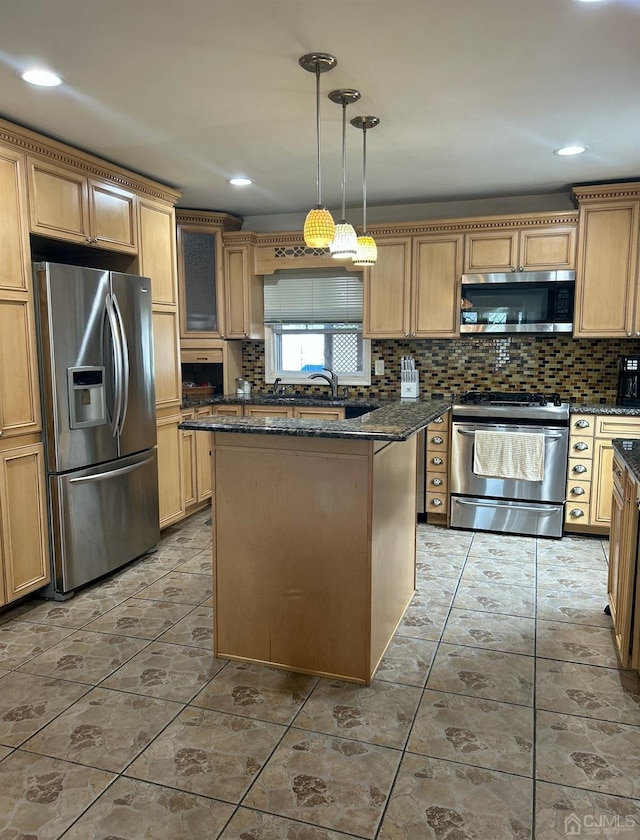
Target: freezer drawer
[[101, 518], [509, 517]]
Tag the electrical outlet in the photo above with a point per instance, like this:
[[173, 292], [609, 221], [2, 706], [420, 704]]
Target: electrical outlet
[[379, 367]]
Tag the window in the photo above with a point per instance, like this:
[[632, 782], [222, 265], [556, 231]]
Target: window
[[313, 320]]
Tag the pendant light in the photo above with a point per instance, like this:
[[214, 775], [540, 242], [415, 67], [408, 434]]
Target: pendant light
[[367, 251], [319, 227], [345, 241]]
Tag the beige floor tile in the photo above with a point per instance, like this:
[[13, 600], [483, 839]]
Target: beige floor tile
[[338, 784], [140, 618], [572, 551], [504, 548], [174, 554], [436, 800], [441, 562], [576, 643], [380, 713], [487, 596], [563, 812], [172, 672], [588, 691], [433, 593], [40, 797], [486, 569], [575, 607], [571, 579], [513, 634], [5, 751], [494, 675], [186, 538], [433, 537], [104, 729], [254, 825], [200, 564], [179, 588], [84, 657], [208, 753], [28, 702], [75, 613], [134, 809], [20, 641], [407, 661], [256, 692], [591, 754], [424, 623], [195, 629], [497, 736]]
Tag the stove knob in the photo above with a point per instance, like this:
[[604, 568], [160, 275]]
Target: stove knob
[[580, 446], [576, 513], [582, 424], [579, 468]]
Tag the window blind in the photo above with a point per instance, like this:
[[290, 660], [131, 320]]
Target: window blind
[[313, 297]]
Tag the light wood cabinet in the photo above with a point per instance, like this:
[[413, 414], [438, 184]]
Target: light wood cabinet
[[318, 413], [607, 301], [413, 290], [171, 493], [243, 294], [196, 462], [65, 204], [437, 449], [531, 249], [189, 469], [24, 547], [268, 411], [589, 491], [622, 582], [228, 410]]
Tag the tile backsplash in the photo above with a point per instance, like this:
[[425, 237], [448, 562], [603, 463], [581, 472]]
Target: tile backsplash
[[581, 370]]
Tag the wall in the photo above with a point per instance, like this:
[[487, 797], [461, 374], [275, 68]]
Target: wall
[[581, 370]]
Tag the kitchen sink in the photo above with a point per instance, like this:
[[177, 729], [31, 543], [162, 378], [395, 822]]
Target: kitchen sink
[[351, 411]]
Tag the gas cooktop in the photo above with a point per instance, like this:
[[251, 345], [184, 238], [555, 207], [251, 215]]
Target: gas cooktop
[[511, 407]]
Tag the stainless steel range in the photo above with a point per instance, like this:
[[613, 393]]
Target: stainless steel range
[[506, 496]]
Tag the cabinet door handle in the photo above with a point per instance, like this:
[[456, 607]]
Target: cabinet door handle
[[576, 513], [580, 446], [582, 424], [436, 502], [437, 439], [579, 468], [436, 461], [437, 482], [577, 491], [438, 420]]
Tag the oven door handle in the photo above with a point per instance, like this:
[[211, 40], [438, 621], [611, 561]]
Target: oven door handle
[[492, 503], [472, 433]]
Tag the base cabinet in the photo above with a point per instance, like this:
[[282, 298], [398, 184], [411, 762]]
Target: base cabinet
[[170, 470], [196, 462], [623, 585], [436, 470], [24, 547]]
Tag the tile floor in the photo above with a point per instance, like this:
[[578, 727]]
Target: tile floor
[[499, 711]]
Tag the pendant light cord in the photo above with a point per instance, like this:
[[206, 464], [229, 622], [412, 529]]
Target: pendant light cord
[[318, 177], [364, 180], [344, 158]]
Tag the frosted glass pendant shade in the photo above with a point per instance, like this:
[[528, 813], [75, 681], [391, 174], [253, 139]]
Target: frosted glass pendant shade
[[367, 251], [319, 228], [345, 241]]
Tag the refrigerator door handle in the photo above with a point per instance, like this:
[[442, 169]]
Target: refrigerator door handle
[[117, 363], [124, 360]]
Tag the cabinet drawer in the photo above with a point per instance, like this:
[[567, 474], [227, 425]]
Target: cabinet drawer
[[208, 356], [582, 424], [612, 427], [579, 469], [437, 440], [580, 447], [437, 483], [578, 491], [576, 513], [228, 410], [438, 425], [437, 462], [436, 503]]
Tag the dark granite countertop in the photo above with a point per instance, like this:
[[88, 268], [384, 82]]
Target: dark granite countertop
[[264, 399], [394, 421], [594, 408], [629, 450]]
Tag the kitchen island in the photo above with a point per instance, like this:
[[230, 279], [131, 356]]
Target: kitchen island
[[314, 536]]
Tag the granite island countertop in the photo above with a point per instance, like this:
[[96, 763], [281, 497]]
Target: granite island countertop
[[394, 421], [629, 450], [277, 399]]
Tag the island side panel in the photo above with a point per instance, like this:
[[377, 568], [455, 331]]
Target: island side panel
[[292, 552], [393, 557]]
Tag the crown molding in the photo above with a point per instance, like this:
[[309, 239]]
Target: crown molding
[[227, 221]]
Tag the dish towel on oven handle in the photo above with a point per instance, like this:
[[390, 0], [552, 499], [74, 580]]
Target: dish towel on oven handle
[[517, 455]]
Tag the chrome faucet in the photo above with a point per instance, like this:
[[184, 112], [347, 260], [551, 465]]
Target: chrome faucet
[[331, 380], [274, 390]]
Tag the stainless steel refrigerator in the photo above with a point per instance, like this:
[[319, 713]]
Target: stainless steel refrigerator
[[96, 375]]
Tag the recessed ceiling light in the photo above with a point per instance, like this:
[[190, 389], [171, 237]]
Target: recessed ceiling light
[[571, 150], [42, 78], [240, 181], [590, 1]]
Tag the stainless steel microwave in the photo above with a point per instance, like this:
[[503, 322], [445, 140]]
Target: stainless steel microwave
[[518, 302]]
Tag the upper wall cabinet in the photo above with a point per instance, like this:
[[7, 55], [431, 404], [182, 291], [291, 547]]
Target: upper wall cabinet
[[65, 204], [413, 290], [243, 294], [607, 297], [544, 248], [201, 276]]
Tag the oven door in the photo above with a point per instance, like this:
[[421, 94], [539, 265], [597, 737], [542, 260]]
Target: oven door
[[465, 482]]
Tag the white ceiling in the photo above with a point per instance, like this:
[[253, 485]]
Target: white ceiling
[[472, 95]]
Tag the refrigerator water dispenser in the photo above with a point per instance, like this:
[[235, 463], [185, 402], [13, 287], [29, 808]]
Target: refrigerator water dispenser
[[87, 405]]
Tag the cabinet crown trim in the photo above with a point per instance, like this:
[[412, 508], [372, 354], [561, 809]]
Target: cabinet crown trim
[[605, 191], [227, 221]]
